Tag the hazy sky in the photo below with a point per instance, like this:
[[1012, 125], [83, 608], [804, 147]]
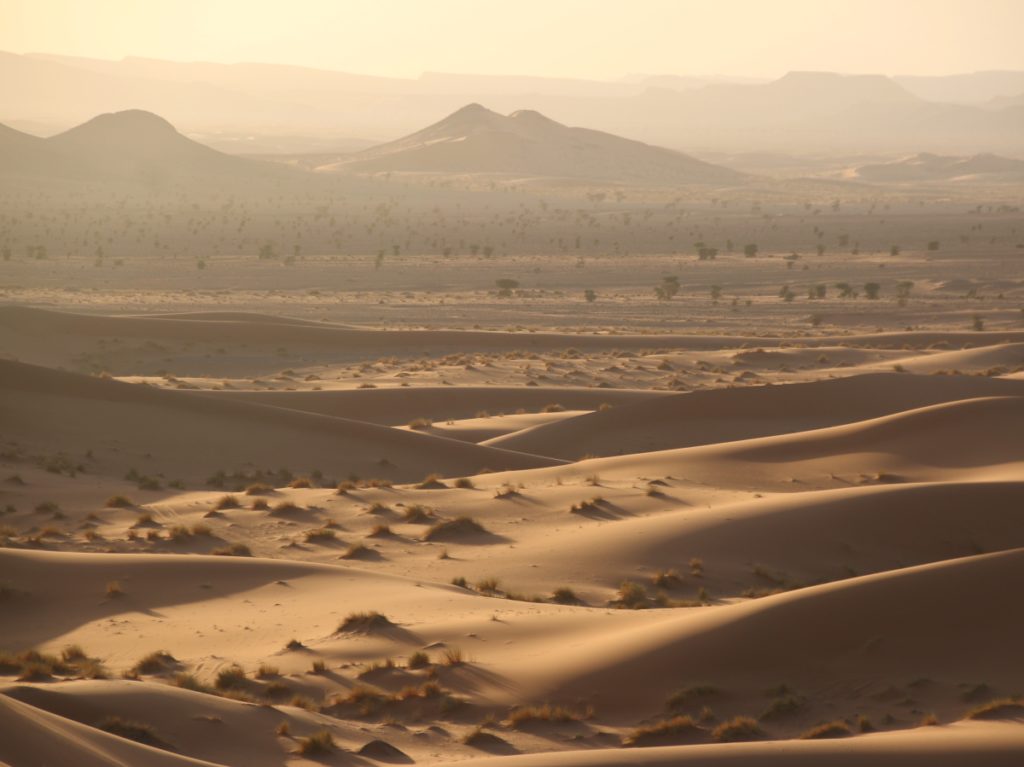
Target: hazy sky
[[578, 38]]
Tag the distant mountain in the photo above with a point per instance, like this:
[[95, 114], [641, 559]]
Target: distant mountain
[[978, 88], [926, 167], [133, 146], [308, 110], [476, 140]]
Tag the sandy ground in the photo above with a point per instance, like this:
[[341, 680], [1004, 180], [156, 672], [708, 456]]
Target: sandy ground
[[722, 536]]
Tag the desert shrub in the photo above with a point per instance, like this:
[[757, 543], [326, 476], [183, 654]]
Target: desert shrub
[[260, 504], [529, 715], [320, 535], [666, 579], [460, 581], [417, 514], [140, 733], [453, 656], [356, 551], [565, 596], [300, 482], [318, 667], [996, 709], [364, 623], [835, 729], [464, 483], [119, 502], [226, 502], [664, 731], [736, 729], [420, 423], [453, 528], [266, 671], [259, 488], [631, 595], [317, 744], [114, 589], [417, 660], [431, 482], [380, 531], [155, 663], [229, 678]]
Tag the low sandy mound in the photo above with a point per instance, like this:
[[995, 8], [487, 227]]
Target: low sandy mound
[[187, 435], [945, 622], [47, 739], [1000, 357], [399, 406], [981, 744], [723, 415]]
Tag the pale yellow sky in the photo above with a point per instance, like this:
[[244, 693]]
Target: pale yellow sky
[[572, 38]]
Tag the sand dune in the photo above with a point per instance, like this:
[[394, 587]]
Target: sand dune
[[723, 415], [44, 738], [938, 621], [983, 744], [189, 435]]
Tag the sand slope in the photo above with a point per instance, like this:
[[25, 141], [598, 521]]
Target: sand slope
[[725, 415], [983, 744], [189, 435], [47, 739]]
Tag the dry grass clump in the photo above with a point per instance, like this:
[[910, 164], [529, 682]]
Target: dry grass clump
[[344, 487], [320, 535], [454, 528], [119, 502], [357, 551], [317, 744], [834, 729], [300, 483], [230, 678], [140, 733], [365, 623], [226, 502], [233, 550], [565, 596], [285, 507], [431, 482], [664, 732], [417, 515], [418, 659], [156, 662], [464, 483], [453, 656], [34, 666], [259, 488], [420, 423], [521, 718], [666, 579], [506, 491], [1002, 708], [260, 504], [737, 729], [114, 589], [631, 596], [380, 531]]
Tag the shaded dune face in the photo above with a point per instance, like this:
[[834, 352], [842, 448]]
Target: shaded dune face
[[292, 567]]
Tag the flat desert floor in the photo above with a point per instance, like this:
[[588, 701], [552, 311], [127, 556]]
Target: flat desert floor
[[341, 514]]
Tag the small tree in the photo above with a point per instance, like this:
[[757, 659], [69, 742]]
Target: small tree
[[716, 292], [750, 250], [590, 295], [846, 290], [871, 290], [505, 286], [669, 287]]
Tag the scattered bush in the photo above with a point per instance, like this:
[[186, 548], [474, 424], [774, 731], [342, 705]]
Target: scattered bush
[[317, 744], [530, 715], [664, 732], [454, 528], [836, 729], [364, 623], [737, 729], [119, 502]]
